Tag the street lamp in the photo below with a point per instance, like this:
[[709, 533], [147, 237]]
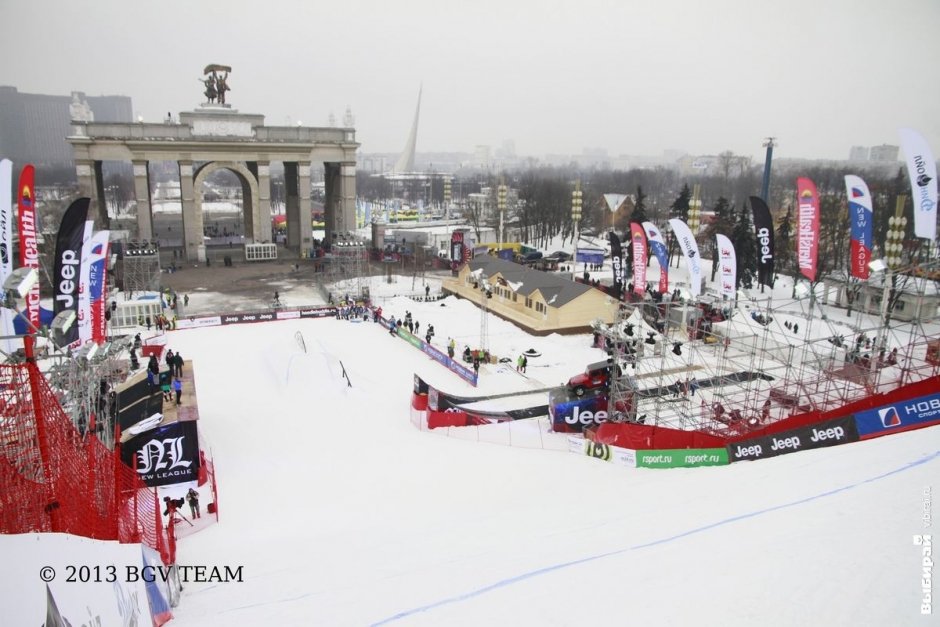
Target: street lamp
[[575, 218], [501, 193]]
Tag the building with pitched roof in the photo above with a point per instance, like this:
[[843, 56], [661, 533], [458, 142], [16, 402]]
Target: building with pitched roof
[[539, 302]]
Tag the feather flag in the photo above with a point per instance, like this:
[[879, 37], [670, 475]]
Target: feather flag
[[807, 220], [658, 248], [922, 170], [860, 218], [728, 265], [690, 251]]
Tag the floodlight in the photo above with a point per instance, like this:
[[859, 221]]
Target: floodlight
[[21, 281], [877, 265], [63, 321]]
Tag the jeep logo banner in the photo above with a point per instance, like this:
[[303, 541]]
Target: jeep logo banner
[[68, 251], [913, 414], [764, 230], [166, 455], [823, 434]]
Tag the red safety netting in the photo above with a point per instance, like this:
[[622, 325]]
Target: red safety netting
[[54, 479]]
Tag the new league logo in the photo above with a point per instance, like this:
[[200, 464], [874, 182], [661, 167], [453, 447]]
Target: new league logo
[[889, 417]]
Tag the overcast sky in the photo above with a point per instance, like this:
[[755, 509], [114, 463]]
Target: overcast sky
[[631, 76]]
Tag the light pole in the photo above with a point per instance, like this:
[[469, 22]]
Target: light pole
[[501, 193], [575, 218], [765, 184]]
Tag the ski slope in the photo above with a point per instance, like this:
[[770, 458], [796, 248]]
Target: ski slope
[[342, 513]]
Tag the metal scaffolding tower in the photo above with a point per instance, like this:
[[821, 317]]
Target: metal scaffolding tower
[[140, 268], [348, 263]]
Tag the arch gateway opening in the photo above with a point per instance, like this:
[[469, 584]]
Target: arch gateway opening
[[212, 137]]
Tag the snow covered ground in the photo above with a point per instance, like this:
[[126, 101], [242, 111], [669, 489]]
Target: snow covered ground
[[342, 513]]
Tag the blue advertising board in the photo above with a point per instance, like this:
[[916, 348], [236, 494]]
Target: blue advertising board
[[590, 256], [573, 415], [902, 416]]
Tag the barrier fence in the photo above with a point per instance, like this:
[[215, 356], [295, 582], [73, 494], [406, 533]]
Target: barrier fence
[[54, 479]]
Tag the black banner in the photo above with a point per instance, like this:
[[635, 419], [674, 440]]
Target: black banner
[[616, 261], [829, 433], [68, 259], [764, 230], [166, 455]]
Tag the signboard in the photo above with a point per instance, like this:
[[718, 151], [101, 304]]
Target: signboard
[[820, 435], [164, 456], [681, 458], [913, 414]]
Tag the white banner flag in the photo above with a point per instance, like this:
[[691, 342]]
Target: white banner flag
[[84, 296], [690, 251], [728, 265], [614, 201], [6, 248], [922, 170]]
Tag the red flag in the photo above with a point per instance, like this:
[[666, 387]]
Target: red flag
[[807, 231], [638, 238], [29, 253]]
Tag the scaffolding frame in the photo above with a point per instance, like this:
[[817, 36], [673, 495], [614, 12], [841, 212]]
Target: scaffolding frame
[[140, 268], [345, 271]]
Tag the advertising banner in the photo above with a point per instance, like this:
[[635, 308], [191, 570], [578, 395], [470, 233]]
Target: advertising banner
[[456, 250], [681, 458], [616, 262], [904, 416], [6, 249], [586, 255], [807, 227], [99, 251], [658, 248], [764, 230], [29, 251], [572, 415], [728, 265], [84, 298], [689, 249], [828, 433], [860, 219], [68, 255], [166, 455], [922, 170], [638, 240]]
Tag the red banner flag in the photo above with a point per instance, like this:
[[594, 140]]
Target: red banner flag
[[638, 239], [29, 252], [807, 233]]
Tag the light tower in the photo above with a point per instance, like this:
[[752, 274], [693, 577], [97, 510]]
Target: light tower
[[575, 218], [501, 193], [765, 184]]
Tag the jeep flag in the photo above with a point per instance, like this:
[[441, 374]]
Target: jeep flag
[[922, 170], [860, 218], [616, 262], [98, 253], [764, 230], [807, 233], [638, 239], [690, 251], [29, 250], [728, 265], [68, 250], [658, 248], [6, 249]]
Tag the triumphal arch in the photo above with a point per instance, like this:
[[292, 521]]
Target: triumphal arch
[[215, 136]]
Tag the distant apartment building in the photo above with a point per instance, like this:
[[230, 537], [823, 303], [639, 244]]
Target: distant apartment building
[[33, 127], [858, 153], [884, 153]]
